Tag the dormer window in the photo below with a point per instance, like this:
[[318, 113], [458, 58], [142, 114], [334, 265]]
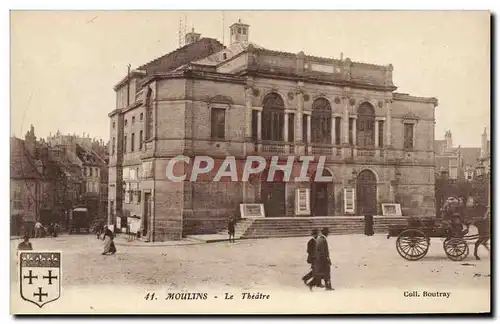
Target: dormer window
[[224, 56]]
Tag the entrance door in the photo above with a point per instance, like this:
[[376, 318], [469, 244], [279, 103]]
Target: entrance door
[[147, 212], [366, 193], [319, 199], [273, 194], [273, 197]]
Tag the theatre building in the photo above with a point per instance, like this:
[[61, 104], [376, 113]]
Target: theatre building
[[208, 99]]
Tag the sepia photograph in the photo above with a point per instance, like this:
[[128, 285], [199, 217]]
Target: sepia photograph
[[250, 162]]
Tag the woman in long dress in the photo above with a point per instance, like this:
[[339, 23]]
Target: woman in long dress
[[109, 245]]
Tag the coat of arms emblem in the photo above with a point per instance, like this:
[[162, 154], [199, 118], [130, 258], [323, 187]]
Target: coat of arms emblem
[[40, 277]]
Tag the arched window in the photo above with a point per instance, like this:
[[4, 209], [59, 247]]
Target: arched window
[[365, 125], [273, 117], [321, 121]]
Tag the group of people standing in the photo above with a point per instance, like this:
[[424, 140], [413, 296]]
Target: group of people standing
[[318, 256], [51, 230]]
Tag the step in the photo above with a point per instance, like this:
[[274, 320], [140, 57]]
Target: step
[[298, 226]]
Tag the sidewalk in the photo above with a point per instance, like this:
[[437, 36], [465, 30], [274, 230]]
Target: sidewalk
[[124, 240], [210, 238]]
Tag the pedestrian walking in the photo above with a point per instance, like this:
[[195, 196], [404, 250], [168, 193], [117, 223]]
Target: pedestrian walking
[[50, 229], [38, 229], [322, 264], [25, 244], [56, 229], [311, 251], [109, 245], [231, 229], [98, 230]]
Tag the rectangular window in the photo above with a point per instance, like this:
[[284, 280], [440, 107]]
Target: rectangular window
[[138, 197], [408, 136], [149, 123], [255, 121], [218, 123], [140, 140], [126, 196], [113, 146], [132, 140], [90, 169], [337, 130], [381, 133], [304, 129], [351, 140], [125, 144], [291, 127], [18, 198]]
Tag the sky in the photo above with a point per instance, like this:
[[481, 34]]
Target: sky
[[64, 64]]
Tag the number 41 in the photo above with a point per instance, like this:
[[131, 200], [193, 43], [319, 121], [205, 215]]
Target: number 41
[[150, 296]]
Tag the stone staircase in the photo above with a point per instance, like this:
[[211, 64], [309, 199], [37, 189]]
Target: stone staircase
[[302, 226], [240, 229]]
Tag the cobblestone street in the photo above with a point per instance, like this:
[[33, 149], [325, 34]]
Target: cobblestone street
[[359, 262]]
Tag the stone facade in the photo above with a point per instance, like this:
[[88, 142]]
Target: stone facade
[[172, 113]]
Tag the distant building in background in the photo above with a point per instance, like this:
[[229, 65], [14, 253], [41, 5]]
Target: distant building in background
[[457, 163], [86, 157], [49, 177], [27, 183], [484, 162]]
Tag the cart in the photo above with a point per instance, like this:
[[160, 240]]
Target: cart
[[413, 240]]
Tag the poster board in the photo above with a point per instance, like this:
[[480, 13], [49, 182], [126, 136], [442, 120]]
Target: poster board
[[252, 210], [391, 210], [302, 201], [349, 196]]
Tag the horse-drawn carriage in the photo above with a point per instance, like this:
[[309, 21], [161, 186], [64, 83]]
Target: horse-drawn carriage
[[413, 239]]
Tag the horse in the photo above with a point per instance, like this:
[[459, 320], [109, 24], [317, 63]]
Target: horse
[[483, 228]]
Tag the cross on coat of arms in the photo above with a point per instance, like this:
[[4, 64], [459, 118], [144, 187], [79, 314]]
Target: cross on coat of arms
[[40, 277]]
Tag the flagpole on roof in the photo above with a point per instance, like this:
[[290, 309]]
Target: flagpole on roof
[[223, 27]]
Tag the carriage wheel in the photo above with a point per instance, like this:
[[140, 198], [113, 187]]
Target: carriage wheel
[[456, 249], [412, 244]]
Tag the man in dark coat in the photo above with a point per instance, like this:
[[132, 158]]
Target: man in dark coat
[[311, 250], [322, 263], [231, 229], [25, 245]]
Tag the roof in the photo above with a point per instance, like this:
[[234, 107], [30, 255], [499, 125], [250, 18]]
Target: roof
[[231, 51], [192, 52], [88, 156], [188, 53], [22, 165], [470, 155]]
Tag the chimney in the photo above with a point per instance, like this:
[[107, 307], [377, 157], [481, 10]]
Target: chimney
[[239, 32], [447, 137], [30, 142], [192, 37], [484, 144]]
